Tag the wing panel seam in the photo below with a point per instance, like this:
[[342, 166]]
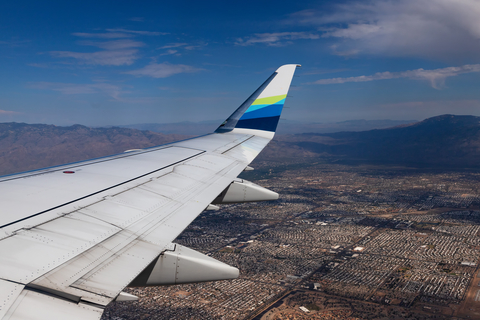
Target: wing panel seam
[[238, 144], [100, 191]]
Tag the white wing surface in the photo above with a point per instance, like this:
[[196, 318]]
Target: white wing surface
[[72, 237]]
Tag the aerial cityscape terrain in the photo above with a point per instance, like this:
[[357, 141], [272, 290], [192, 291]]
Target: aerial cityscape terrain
[[342, 242]]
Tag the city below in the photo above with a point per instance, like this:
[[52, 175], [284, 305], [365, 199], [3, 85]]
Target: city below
[[342, 242]]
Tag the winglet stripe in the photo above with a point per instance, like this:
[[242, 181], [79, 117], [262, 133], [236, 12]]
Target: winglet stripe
[[269, 100], [262, 110]]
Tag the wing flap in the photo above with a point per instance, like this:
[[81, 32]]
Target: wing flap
[[38, 250], [63, 277], [113, 213], [9, 292], [109, 278], [31, 305]]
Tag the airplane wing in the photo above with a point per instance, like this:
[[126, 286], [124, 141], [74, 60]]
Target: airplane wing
[[72, 237]]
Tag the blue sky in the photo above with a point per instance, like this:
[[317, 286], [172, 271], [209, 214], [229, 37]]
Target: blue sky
[[125, 62]]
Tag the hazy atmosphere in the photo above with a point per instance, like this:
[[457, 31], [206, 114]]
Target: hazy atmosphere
[[123, 62], [364, 202]]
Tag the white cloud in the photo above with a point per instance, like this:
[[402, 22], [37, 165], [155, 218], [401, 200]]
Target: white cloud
[[104, 58], [173, 45], [118, 51], [439, 29], [168, 52], [163, 70], [196, 47], [115, 44], [14, 43], [436, 77], [73, 88], [275, 39], [117, 33], [8, 112], [38, 65], [143, 33], [108, 35]]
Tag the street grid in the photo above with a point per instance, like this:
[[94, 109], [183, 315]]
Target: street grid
[[377, 240]]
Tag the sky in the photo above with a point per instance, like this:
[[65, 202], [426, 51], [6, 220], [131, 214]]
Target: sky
[[101, 63]]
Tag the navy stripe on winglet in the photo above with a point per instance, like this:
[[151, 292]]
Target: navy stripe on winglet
[[267, 124]]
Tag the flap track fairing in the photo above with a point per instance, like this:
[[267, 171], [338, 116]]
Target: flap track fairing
[[184, 265], [244, 191]]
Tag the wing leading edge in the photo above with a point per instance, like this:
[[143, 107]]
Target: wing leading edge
[[70, 243]]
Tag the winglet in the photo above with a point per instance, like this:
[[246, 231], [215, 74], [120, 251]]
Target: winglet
[[260, 113]]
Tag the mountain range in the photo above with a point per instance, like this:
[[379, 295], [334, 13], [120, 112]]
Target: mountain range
[[442, 141], [447, 141], [31, 146], [284, 127]]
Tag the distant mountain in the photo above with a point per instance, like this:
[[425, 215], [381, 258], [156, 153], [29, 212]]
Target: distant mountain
[[285, 126], [442, 141], [293, 127], [32, 146], [186, 127]]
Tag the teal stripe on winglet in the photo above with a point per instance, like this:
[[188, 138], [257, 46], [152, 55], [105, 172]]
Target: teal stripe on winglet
[[260, 106], [269, 111]]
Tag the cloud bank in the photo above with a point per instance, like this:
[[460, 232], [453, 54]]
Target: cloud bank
[[118, 50], [110, 90], [438, 29], [275, 39], [103, 58], [114, 44], [8, 112], [163, 70], [143, 33], [435, 77], [108, 35]]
